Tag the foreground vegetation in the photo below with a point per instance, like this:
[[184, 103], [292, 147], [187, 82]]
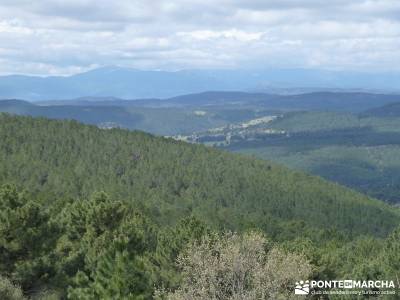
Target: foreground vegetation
[[87, 213], [101, 248]]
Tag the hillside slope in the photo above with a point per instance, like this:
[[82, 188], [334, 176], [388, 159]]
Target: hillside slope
[[160, 120], [171, 179], [87, 114], [386, 111], [361, 152]]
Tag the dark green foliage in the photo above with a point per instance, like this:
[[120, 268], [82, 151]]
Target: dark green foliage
[[25, 239], [61, 238], [170, 180], [171, 242], [106, 241], [102, 248], [361, 152]]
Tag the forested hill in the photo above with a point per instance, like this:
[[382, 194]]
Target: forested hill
[[170, 179], [391, 110]]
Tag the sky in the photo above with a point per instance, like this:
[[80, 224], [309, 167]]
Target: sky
[[62, 37]]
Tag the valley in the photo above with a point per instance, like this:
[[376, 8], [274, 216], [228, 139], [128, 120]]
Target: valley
[[359, 151], [349, 138]]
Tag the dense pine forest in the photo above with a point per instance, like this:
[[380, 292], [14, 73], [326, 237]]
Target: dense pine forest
[[360, 151], [88, 213]]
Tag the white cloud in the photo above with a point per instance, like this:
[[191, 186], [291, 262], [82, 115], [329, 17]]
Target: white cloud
[[63, 37], [239, 35]]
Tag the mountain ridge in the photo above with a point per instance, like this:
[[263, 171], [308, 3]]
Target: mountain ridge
[[132, 83]]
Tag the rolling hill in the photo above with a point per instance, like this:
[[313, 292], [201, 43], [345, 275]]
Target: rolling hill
[[316, 101], [193, 112], [89, 213], [391, 110], [86, 114], [357, 150], [173, 179], [157, 120]]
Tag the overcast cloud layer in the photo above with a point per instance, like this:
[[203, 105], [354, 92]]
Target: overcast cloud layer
[[68, 36]]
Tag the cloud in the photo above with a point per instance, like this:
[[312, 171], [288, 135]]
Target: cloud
[[241, 36], [64, 37]]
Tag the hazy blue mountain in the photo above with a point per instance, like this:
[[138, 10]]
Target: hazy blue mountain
[[86, 114], [320, 101], [131, 83], [192, 112], [14, 106], [118, 113], [330, 101], [391, 110]]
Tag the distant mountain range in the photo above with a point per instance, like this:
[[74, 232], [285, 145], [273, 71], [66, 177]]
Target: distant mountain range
[[332, 101], [131, 83], [192, 112]]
